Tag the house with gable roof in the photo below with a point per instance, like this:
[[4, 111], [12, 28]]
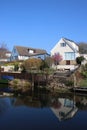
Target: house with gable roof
[[4, 55], [23, 53], [69, 50]]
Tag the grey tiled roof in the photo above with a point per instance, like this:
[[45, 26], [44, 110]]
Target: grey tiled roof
[[24, 51]]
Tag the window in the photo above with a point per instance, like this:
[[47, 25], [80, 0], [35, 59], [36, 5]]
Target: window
[[69, 56], [31, 51], [16, 57], [63, 44]]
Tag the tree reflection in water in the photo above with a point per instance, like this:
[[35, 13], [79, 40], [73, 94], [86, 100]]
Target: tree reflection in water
[[62, 106], [44, 111]]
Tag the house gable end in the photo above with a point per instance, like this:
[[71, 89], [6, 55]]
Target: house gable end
[[63, 42], [56, 46], [15, 51], [14, 54], [71, 44]]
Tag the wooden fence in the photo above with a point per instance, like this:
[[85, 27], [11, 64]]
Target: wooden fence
[[33, 77]]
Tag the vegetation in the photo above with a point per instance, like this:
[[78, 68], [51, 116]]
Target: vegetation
[[83, 83], [80, 59], [3, 51], [81, 76], [83, 48], [69, 83], [30, 64], [84, 71], [57, 58], [35, 65], [49, 61], [20, 85], [43, 65], [3, 47], [4, 81], [16, 67]]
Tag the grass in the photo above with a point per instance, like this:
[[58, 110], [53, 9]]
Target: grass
[[3, 81], [83, 83]]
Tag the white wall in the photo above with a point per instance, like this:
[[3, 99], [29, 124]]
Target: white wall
[[8, 68], [61, 50], [23, 57], [64, 67]]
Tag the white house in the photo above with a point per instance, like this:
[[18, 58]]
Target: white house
[[23, 53], [4, 55], [69, 50]]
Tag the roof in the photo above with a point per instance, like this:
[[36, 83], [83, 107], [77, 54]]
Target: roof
[[71, 44], [24, 51], [70, 41]]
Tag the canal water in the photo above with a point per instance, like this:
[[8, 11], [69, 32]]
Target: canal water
[[43, 111]]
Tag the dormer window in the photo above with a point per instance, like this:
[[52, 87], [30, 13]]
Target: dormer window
[[30, 51], [63, 44]]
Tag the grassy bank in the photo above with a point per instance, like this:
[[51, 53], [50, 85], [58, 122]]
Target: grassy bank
[[3, 81], [83, 83]]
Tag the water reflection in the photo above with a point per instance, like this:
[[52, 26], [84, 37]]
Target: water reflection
[[5, 104], [67, 109], [49, 110], [62, 107]]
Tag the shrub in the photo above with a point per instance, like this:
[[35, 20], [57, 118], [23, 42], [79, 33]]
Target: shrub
[[16, 67], [69, 83], [84, 74], [80, 59], [22, 85]]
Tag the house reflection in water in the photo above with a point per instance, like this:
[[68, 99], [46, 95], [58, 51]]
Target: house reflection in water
[[66, 110]]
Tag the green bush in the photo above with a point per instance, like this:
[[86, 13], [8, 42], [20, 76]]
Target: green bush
[[16, 67], [83, 83], [18, 84], [80, 59], [69, 83], [84, 74]]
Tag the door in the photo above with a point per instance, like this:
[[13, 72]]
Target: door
[[67, 62]]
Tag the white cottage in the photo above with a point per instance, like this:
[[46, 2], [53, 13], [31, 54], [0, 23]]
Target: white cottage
[[23, 53], [4, 55], [69, 50]]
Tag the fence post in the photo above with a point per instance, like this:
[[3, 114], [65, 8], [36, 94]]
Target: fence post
[[32, 82], [0, 72]]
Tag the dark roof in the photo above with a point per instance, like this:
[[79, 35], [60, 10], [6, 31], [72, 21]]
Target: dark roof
[[70, 40], [70, 45], [24, 51]]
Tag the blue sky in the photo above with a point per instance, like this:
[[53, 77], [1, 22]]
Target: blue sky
[[41, 23]]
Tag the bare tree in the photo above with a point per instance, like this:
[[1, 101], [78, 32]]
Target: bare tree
[[3, 46], [82, 48], [3, 49]]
